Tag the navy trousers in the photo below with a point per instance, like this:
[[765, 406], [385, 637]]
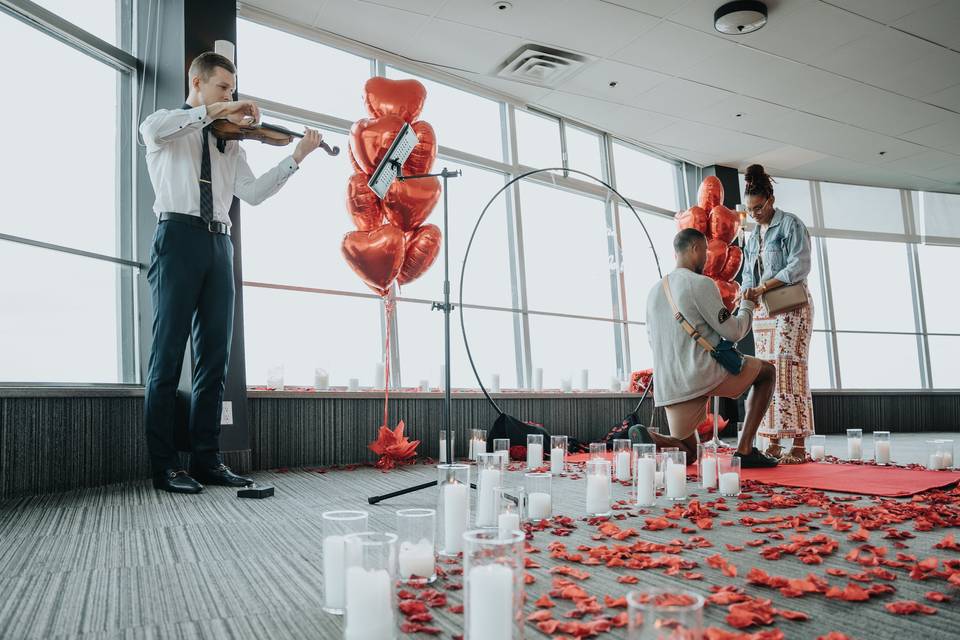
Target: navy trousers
[[191, 282]]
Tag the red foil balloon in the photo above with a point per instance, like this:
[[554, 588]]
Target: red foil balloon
[[423, 247], [363, 204], [693, 218], [710, 193], [407, 204], [724, 224], [729, 292], [353, 161], [401, 98], [370, 139], [376, 256], [422, 157], [731, 266], [716, 257]]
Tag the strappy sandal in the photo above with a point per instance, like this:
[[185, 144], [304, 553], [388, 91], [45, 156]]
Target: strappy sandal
[[797, 455]]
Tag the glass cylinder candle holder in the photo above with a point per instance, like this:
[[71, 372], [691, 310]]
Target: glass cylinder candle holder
[[534, 451], [511, 509], [275, 377], [675, 474], [493, 585], [621, 459], [321, 379], [416, 535], [598, 487], [645, 474], [443, 446], [539, 488], [566, 384], [935, 461], [818, 448], [598, 450], [501, 447], [659, 614], [946, 452], [707, 463], [371, 570], [337, 525], [478, 443], [728, 466], [558, 454], [489, 476], [854, 444], [881, 447], [661, 463], [453, 507]]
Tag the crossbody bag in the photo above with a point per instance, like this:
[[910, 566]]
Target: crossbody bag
[[725, 353], [782, 299]]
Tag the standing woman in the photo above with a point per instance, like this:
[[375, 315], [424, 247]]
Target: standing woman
[[778, 254]]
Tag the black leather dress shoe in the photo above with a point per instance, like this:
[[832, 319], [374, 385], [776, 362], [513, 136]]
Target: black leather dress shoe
[[221, 475], [176, 481]]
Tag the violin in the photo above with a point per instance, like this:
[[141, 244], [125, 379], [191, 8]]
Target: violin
[[271, 134]]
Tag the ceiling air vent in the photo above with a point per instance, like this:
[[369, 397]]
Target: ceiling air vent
[[543, 66]]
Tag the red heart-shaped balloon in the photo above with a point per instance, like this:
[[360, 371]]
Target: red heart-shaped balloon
[[401, 98], [724, 224], [423, 155], [710, 193], [407, 204], [353, 161], [729, 292], [370, 139], [376, 256], [731, 266], [423, 247], [363, 204], [716, 256], [693, 218]]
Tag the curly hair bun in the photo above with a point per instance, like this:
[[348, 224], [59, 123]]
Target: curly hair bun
[[758, 181]]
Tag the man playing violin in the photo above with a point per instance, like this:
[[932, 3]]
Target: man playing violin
[[195, 177]]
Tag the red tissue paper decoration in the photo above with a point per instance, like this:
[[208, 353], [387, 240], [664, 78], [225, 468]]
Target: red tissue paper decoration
[[393, 447], [640, 380]]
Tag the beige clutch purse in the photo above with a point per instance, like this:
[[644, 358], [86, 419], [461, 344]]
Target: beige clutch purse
[[785, 299]]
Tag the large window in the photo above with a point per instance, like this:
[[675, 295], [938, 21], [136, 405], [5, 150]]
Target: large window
[[645, 178], [66, 255], [857, 208]]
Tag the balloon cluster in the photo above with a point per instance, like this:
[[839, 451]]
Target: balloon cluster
[[391, 241], [721, 226]]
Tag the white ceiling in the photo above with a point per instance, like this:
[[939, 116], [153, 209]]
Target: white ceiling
[[818, 93]]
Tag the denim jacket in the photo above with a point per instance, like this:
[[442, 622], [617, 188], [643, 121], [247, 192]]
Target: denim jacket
[[786, 251]]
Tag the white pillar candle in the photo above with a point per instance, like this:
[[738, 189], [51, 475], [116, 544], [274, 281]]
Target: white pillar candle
[[369, 605], [817, 452], [676, 481], [495, 383], [333, 566], [490, 602], [598, 494], [378, 375], [354, 384], [708, 469], [883, 452], [729, 483], [623, 465], [489, 480], [615, 385], [936, 461], [415, 559], [556, 460], [424, 385], [646, 479], [455, 504], [947, 458], [507, 523], [321, 380], [539, 505], [854, 448], [584, 379], [443, 446], [534, 455], [538, 379]]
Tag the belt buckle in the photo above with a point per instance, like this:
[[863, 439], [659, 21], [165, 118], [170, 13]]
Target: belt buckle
[[211, 228]]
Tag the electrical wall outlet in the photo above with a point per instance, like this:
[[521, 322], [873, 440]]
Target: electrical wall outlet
[[226, 416]]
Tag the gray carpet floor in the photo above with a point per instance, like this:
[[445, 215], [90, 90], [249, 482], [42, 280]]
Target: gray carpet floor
[[125, 561]]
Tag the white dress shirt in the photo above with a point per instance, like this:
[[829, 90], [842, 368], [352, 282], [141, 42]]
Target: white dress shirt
[[174, 147]]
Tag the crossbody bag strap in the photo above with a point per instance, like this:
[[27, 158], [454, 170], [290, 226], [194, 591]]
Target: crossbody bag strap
[[696, 335]]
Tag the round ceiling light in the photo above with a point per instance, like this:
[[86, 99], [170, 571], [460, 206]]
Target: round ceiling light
[[735, 18]]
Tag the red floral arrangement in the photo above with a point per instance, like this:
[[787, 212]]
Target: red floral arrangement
[[641, 380], [393, 447], [518, 452]]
